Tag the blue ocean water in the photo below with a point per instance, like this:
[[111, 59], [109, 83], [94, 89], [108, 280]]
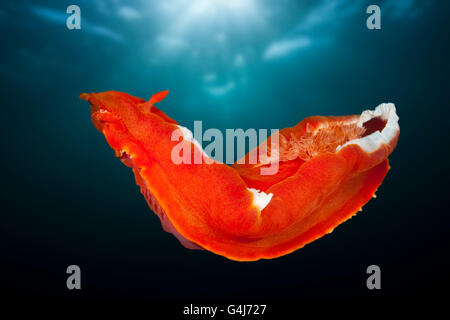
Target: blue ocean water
[[232, 64]]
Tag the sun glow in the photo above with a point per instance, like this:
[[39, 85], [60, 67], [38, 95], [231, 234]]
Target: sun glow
[[234, 7], [194, 14]]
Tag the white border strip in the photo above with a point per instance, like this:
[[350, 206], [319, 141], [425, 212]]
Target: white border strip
[[373, 141]]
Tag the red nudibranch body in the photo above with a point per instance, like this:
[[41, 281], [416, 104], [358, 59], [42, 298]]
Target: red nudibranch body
[[329, 167]]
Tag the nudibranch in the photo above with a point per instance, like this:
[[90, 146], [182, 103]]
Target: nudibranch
[[329, 167]]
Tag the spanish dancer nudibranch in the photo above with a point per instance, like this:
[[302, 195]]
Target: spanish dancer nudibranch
[[329, 167]]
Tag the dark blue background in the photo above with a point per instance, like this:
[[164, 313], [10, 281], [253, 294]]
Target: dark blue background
[[267, 64]]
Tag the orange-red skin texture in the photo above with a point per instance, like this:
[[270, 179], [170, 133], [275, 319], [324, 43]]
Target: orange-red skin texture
[[210, 205]]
